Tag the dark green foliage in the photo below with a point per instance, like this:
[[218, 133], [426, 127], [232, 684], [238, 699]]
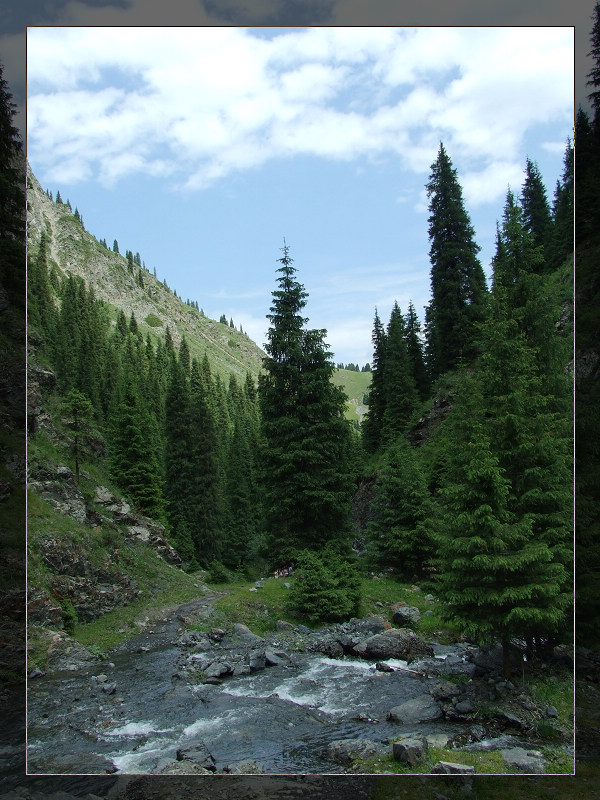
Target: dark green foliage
[[305, 458], [135, 451], [594, 74], [399, 389], [191, 488], [12, 201], [588, 175], [218, 573], [537, 219], [69, 615], [399, 534], [373, 421], [458, 290], [77, 412], [326, 586], [587, 451], [563, 210], [41, 307], [414, 351]]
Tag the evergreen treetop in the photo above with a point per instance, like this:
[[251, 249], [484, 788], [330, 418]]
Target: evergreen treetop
[[458, 289]]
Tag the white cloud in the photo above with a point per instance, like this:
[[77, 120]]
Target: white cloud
[[201, 103]]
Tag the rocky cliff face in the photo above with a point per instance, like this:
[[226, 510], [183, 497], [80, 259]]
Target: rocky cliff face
[[73, 250], [72, 578]]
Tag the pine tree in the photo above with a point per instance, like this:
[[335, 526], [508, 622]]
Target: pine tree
[[306, 481], [458, 290], [588, 174], [115, 246], [134, 450], [537, 218], [497, 577], [12, 200], [399, 387], [373, 420], [563, 210], [398, 535], [191, 488], [77, 413], [414, 351], [594, 74]]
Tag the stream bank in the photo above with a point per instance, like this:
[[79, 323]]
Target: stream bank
[[171, 700]]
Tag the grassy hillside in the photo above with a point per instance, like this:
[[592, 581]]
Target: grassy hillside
[[356, 385], [74, 250]]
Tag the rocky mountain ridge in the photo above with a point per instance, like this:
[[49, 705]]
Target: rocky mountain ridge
[[73, 250]]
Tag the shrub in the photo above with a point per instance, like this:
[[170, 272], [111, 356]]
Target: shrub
[[326, 587], [153, 321], [218, 573], [69, 614]]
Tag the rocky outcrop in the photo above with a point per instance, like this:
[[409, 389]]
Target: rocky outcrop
[[420, 709], [345, 751], [395, 643], [411, 750]]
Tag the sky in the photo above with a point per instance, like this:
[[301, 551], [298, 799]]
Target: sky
[[204, 148]]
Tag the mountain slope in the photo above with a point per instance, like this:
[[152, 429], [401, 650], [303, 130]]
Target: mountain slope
[[74, 250]]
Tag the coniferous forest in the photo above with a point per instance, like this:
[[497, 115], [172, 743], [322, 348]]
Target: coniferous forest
[[243, 473]]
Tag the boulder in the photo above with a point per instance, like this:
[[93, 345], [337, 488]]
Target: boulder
[[217, 669], [396, 643], [329, 647], [198, 754], [411, 750], [420, 709], [367, 626], [104, 496], [345, 751], [530, 761], [184, 768], [241, 634], [406, 616], [276, 658], [247, 767], [257, 660], [443, 690], [452, 768]]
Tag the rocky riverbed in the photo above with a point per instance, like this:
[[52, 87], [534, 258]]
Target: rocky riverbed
[[172, 700]]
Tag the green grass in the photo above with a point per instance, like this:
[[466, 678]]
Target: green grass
[[153, 321], [356, 385], [485, 763], [161, 590], [258, 610]]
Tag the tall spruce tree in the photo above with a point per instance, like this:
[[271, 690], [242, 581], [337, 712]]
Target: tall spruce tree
[[399, 388], [306, 481], [458, 289], [537, 218], [373, 421], [563, 209], [497, 576], [414, 351], [398, 535], [134, 444]]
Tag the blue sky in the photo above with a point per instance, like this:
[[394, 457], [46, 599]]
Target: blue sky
[[202, 148]]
